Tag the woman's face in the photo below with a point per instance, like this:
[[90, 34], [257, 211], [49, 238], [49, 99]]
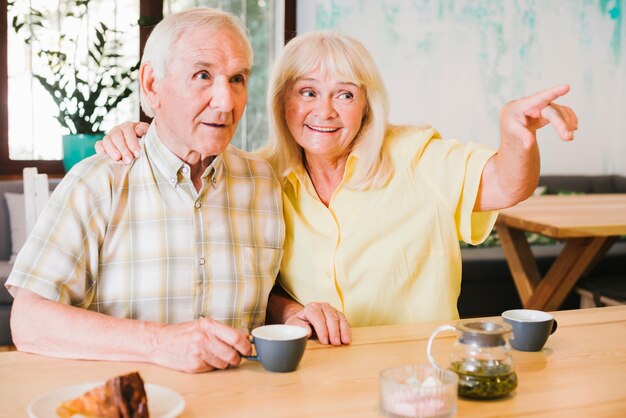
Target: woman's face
[[324, 114]]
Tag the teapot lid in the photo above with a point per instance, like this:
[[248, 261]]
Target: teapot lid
[[483, 333]]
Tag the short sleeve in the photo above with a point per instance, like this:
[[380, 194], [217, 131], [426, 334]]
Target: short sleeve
[[59, 260], [454, 170]]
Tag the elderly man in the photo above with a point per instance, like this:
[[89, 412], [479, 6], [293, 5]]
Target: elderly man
[[170, 259]]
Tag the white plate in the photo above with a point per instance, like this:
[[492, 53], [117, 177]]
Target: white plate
[[162, 402]]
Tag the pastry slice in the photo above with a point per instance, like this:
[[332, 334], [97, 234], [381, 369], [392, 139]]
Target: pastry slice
[[120, 397]]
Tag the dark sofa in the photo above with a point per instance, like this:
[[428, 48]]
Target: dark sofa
[[487, 287]]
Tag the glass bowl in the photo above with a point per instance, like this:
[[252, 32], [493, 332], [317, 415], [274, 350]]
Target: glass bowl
[[418, 391]]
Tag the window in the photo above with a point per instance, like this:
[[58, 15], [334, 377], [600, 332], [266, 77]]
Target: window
[[29, 133], [68, 27]]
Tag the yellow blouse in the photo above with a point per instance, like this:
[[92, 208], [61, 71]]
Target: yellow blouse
[[389, 255]]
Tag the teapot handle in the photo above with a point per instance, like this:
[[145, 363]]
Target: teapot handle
[[432, 338]]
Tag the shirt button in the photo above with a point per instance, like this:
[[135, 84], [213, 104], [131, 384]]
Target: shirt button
[[202, 261], [185, 170], [214, 180], [173, 180], [329, 273], [197, 205]]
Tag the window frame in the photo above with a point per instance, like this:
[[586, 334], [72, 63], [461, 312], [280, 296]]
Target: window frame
[[150, 11]]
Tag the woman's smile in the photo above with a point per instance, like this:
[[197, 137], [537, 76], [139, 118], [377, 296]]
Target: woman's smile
[[323, 129]]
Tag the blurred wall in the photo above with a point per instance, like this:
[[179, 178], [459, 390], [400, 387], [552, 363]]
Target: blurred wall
[[454, 63]]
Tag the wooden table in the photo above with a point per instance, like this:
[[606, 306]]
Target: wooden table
[[581, 372], [589, 224]]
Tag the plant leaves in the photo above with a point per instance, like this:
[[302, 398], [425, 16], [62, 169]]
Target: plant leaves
[[84, 88]]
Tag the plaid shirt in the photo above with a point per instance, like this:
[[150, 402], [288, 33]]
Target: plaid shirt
[[140, 242]]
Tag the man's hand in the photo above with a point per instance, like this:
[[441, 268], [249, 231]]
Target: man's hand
[[200, 346], [329, 324], [194, 346], [122, 142]]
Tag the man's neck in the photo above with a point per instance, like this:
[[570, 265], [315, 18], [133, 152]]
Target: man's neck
[[197, 162]]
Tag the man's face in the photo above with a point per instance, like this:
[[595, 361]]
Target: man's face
[[203, 94]]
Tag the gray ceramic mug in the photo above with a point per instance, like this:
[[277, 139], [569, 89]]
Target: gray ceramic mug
[[279, 347], [531, 328]]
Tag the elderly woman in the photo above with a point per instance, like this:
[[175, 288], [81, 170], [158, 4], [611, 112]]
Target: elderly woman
[[374, 212]]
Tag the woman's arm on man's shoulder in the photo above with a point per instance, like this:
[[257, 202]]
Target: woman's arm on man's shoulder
[[122, 142]]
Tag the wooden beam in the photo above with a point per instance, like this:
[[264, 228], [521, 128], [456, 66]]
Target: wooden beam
[[290, 20], [574, 260], [4, 110], [150, 13], [521, 261]]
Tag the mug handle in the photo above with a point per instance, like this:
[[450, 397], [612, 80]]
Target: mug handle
[[254, 357], [554, 326], [431, 358]]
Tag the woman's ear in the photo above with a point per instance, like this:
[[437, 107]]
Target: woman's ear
[[149, 85]]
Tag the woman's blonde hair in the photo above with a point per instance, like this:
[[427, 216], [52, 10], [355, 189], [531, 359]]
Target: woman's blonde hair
[[347, 59]]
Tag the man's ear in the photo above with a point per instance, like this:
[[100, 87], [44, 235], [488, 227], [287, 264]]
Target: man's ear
[[149, 85]]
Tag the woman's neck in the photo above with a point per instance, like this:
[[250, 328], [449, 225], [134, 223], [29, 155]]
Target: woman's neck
[[326, 175]]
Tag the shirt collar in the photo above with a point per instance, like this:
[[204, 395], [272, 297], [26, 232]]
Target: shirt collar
[[295, 176], [353, 160], [215, 170], [172, 167]]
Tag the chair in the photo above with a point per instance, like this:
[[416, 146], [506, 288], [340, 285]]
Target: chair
[[36, 195], [22, 211]]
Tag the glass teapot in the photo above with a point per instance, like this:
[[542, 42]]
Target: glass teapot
[[481, 358]]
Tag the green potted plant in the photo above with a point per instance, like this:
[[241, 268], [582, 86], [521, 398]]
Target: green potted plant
[[82, 70]]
